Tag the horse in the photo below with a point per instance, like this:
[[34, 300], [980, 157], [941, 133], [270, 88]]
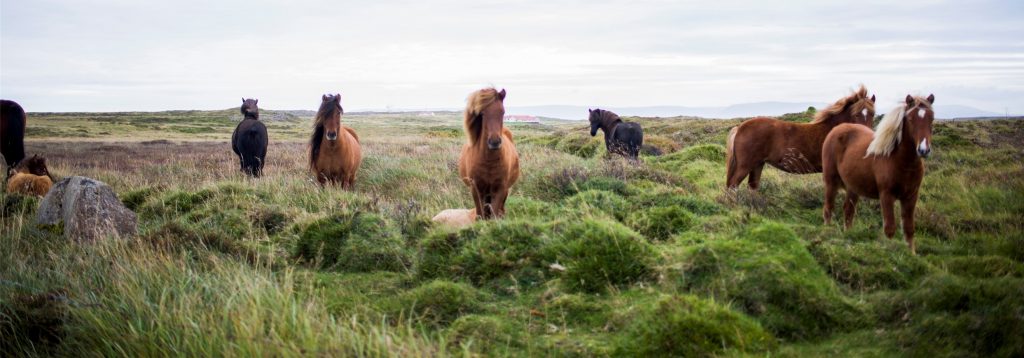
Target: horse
[[885, 164], [792, 147], [489, 164], [620, 137], [30, 177], [249, 141], [334, 154], [12, 132]]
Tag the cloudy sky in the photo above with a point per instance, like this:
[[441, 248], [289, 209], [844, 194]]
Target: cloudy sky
[[105, 55]]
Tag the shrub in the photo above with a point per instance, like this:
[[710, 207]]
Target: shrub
[[659, 145], [603, 183], [660, 223], [872, 265], [436, 252], [981, 266], [688, 326], [580, 145], [272, 219], [768, 273], [14, 205], [440, 302], [358, 242], [601, 201], [134, 199], [578, 309], [598, 254]]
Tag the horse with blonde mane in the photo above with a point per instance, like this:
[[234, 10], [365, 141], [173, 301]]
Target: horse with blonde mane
[[334, 154], [885, 164], [791, 147], [489, 164]]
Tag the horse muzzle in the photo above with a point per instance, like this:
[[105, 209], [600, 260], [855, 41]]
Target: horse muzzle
[[493, 144], [332, 135], [923, 149]]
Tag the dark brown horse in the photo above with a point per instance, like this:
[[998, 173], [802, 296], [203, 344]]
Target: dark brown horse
[[334, 154], [791, 147], [885, 164], [620, 137], [249, 141], [12, 132], [489, 164]]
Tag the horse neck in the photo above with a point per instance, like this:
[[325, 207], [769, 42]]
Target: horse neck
[[608, 126], [254, 116]]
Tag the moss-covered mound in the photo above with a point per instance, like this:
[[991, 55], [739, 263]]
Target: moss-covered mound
[[661, 222], [946, 315], [598, 254], [440, 302], [484, 334], [505, 251], [872, 265], [600, 201], [688, 326], [769, 274], [353, 241]]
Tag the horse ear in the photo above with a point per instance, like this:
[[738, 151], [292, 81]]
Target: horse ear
[[243, 99], [931, 98], [910, 100], [323, 98], [501, 95], [872, 98], [256, 101], [337, 97]]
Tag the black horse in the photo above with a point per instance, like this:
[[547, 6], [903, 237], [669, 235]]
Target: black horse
[[12, 132], [620, 137], [250, 139]]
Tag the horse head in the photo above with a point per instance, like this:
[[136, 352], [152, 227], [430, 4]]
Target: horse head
[[595, 121], [918, 122], [862, 110], [249, 108], [492, 119], [35, 165], [330, 108]]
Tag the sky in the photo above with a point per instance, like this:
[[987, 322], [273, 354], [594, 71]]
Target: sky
[[120, 55]]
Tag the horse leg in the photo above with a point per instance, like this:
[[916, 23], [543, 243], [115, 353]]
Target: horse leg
[[499, 202], [907, 207], [736, 175], [830, 201], [888, 215], [477, 201], [755, 176], [850, 208]]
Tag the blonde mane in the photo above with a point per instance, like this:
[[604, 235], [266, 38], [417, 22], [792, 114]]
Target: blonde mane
[[475, 104], [859, 100], [890, 129]]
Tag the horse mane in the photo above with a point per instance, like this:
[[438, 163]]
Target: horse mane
[[327, 110], [858, 99], [475, 105], [890, 129], [607, 118]]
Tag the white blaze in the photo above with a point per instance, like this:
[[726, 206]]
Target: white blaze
[[923, 146], [920, 113]]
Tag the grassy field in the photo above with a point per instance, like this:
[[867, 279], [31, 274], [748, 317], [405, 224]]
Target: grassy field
[[597, 256]]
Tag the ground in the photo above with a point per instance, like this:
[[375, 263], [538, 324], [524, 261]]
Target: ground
[[597, 256]]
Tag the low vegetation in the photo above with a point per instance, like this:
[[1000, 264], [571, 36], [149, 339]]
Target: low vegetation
[[596, 257]]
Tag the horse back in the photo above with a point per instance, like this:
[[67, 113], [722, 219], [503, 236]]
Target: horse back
[[352, 132], [630, 133]]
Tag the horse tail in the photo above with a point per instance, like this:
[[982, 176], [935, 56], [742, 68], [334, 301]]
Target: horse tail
[[730, 152]]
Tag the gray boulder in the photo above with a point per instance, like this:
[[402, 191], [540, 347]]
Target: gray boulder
[[88, 208]]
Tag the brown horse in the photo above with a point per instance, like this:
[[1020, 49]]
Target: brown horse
[[791, 147], [30, 177], [489, 164], [885, 164], [12, 132], [334, 154]]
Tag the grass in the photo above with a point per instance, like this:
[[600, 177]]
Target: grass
[[597, 256]]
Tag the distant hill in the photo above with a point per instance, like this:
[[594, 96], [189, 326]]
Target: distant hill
[[949, 111]]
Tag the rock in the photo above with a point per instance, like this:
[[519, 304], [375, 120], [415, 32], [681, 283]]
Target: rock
[[88, 209], [456, 217]]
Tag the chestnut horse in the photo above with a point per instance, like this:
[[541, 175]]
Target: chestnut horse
[[885, 164], [12, 132], [30, 177], [791, 147], [489, 164], [334, 154]]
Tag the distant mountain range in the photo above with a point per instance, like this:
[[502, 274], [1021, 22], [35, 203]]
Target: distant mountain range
[[950, 111]]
